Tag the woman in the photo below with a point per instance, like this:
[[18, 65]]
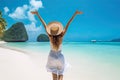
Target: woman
[[55, 31]]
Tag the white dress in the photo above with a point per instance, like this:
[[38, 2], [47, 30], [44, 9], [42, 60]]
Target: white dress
[[56, 62]]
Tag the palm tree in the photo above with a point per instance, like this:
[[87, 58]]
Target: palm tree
[[3, 25]]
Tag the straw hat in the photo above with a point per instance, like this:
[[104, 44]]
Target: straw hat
[[54, 28]]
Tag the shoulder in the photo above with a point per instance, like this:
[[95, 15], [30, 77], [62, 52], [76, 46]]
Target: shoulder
[[61, 34]]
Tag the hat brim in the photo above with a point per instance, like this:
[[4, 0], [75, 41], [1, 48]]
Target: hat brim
[[57, 24]]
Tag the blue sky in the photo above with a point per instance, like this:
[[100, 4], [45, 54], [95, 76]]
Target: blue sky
[[100, 19]]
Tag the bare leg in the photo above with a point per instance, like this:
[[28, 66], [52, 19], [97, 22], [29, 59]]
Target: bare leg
[[54, 76], [60, 77]]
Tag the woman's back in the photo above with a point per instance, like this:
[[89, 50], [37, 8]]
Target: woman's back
[[56, 41]]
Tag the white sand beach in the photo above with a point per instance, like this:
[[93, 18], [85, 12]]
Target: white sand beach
[[16, 65], [21, 65]]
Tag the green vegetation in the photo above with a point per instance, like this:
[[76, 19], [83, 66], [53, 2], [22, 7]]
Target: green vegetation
[[3, 25], [43, 38], [16, 33]]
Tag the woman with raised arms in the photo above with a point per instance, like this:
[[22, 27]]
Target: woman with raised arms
[[55, 32]]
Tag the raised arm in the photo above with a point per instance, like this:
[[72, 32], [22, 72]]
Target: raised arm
[[43, 22], [66, 27]]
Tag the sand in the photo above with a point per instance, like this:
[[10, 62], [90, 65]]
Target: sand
[[20, 65], [16, 65]]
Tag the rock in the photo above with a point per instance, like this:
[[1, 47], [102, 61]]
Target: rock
[[42, 38], [16, 33]]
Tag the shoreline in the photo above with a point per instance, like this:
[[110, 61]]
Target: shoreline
[[16, 64], [11, 48]]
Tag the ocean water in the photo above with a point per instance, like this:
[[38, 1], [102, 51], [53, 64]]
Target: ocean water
[[89, 61]]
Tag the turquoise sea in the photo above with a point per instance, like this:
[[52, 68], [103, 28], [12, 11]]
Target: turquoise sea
[[104, 51], [89, 61]]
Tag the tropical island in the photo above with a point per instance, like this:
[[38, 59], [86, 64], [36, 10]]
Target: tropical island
[[17, 32]]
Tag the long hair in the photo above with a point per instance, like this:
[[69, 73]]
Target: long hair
[[56, 40]]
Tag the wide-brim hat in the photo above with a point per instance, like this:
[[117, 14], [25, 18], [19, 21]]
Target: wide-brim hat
[[54, 24]]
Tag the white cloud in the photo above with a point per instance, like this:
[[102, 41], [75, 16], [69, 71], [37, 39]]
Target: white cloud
[[19, 13], [33, 31], [6, 10], [32, 27], [31, 17], [23, 13], [35, 4]]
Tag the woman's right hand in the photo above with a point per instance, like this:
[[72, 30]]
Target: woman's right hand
[[34, 12], [78, 12]]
